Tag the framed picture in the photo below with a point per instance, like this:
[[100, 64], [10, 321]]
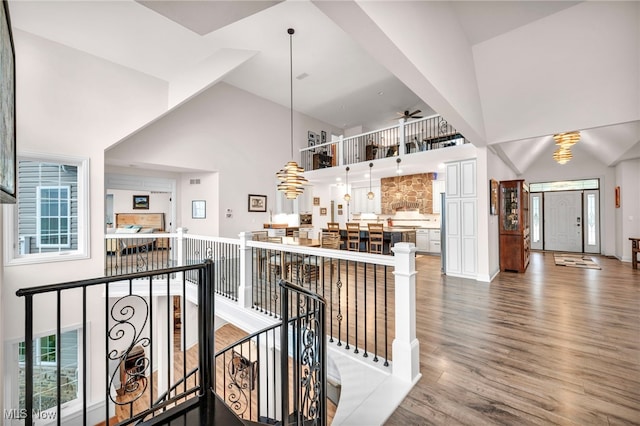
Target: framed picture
[[339, 206], [323, 211], [339, 212], [316, 201], [257, 203], [617, 197], [198, 209], [313, 140], [8, 172], [141, 202], [493, 197]]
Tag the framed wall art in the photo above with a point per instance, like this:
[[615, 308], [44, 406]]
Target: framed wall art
[[323, 211], [617, 194], [493, 197], [257, 203], [198, 209], [141, 202], [8, 172], [316, 201]]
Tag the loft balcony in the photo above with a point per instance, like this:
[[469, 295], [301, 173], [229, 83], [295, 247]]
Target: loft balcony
[[406, 138]]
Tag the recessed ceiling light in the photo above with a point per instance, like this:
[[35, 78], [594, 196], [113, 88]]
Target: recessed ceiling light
[[380, 93], [302, 76]]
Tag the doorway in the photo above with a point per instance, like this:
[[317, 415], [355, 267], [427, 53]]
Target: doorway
[[563, 221], [565, 216]]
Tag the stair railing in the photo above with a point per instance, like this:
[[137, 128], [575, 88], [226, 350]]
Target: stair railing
[[281, 368], [138, 336]]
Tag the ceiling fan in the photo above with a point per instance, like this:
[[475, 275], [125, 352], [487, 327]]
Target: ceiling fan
[[407, 115]]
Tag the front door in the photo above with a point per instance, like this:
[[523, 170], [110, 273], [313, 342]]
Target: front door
[[563, 221]]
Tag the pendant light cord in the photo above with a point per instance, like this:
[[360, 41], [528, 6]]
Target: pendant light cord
[[291, 31]]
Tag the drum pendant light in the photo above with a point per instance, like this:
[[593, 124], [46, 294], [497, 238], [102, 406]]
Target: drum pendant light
[[291, 177]]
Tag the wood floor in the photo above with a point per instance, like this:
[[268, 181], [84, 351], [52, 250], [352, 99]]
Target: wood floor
[[554, 345]]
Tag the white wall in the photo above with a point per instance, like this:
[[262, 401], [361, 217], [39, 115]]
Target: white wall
[[207, 190], [158, 202], [406, 40], [72, 103], [628, 215], [243, 138], [580, 71]]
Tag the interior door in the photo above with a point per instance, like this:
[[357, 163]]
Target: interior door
[[563, 222]]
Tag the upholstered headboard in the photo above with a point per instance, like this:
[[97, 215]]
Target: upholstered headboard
[[146, 220]]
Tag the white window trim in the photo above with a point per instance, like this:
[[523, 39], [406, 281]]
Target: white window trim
[[11, 374], [39, 217], [10, 223]]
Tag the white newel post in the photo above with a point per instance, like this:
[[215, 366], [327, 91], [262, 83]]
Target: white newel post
[[405, 349], [180, 252], [245, 299], [402, 149], [341, 150]]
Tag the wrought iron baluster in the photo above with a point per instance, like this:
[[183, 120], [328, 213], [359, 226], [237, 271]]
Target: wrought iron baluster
[[386, 325], [346, 292]]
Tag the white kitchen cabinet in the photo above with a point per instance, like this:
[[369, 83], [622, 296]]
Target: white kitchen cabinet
[[277, 232], [422, 240], [428, 240], [282, 204], [437, 188], [360, 203], [304, 202], [434, 241]]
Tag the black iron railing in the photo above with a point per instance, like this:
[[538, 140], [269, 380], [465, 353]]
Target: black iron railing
[[139, 333], [281, 368], [359, 295], [225, 255], [128, 254], [405, 138]]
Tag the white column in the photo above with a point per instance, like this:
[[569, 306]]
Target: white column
[[340, 161], [245, 298], [405, 348], [180, 252], [163, 327], [401, 137]]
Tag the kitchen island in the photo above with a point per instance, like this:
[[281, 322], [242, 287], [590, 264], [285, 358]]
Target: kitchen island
[[391, 236]]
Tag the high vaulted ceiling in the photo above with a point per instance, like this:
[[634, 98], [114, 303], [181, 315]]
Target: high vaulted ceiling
[[340, 79]]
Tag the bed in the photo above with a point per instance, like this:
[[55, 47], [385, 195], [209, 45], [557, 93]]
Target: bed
[[137, 225]]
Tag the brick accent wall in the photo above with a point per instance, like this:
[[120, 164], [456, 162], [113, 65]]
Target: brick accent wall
[[409, 192]]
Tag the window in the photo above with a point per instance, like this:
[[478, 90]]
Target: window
[[45, 363], [591, 219], [54, 216], [50, 217], [565, 185]]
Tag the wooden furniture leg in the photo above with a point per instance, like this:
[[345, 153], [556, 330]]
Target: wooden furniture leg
[[635, 249]]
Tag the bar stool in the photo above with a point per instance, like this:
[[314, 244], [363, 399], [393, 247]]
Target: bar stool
[[353, 236], [376, 238], [333, 227]]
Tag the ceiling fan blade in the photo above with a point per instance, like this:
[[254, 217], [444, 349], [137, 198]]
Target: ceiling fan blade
[[415, 112]]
